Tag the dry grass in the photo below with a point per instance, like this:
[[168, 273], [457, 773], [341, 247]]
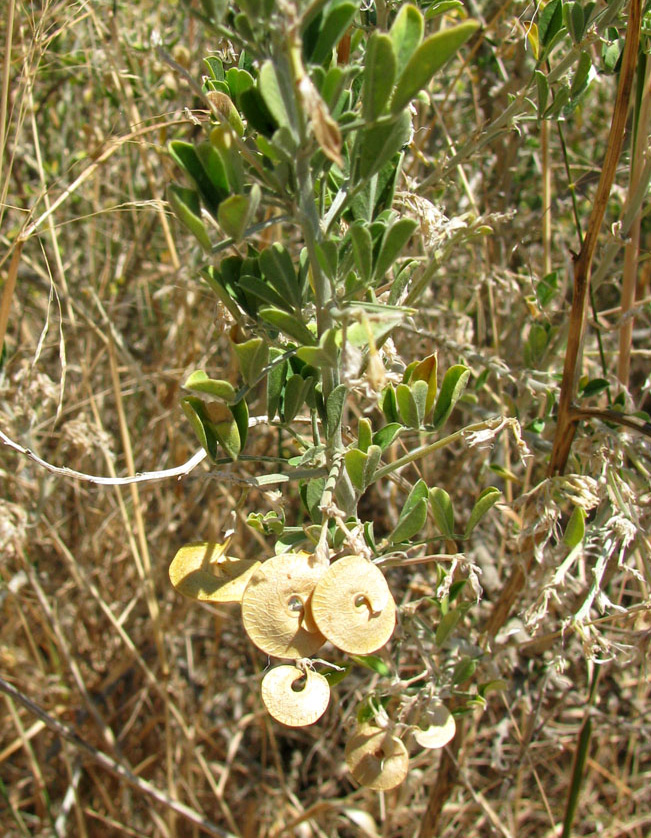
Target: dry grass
[[108, 317]]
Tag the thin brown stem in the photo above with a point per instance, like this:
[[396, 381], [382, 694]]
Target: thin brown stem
[[566, 425]]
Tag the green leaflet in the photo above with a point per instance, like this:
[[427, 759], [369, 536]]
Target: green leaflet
[[200, 383], [186, 207], [253, 357], [379, 75], [406, 33], [484, 502], [454, 383], [427, 59], [442, 511], [380, 142]]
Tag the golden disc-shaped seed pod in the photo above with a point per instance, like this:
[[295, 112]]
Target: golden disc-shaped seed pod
[[204, 572], [353, 606], [436, 728], [276, 606], [377, 759], [294, 697]]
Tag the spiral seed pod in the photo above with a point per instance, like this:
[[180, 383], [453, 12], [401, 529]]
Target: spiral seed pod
[[353, 607], [294, 697], [276, 606], [436, 728], [376, 759], [203, 572]]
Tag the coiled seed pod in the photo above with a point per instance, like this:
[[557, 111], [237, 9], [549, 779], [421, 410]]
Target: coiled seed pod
[[276, 606], [293, 696], [376, 758], [353, 606], [204, 572]]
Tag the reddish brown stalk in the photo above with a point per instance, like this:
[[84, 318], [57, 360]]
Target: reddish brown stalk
[[567, 418]]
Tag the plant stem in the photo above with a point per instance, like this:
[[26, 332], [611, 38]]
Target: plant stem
[[566, 425], [424, 450]]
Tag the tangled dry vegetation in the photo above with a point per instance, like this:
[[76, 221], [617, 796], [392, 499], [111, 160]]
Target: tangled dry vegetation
[[108, 317]]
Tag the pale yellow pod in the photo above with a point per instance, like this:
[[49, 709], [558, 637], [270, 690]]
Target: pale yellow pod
[[436, 728], [276, 606], [376, 759], [294, 697], [203, 572], [353, 606]]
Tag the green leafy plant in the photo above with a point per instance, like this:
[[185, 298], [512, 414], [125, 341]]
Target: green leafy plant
[[310, 131]]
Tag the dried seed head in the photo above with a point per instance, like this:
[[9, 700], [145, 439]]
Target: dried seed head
[[276, 606], [376, 758], [293, 696], [437, 727], [353, 607], [203, 571]]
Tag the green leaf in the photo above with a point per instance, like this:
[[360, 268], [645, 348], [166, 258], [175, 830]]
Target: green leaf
[[325, 355], [407, 407], [581, 75], [452, 387], [442, 511], [213, 167], [419, 392], [406, 33], [240, 411], [535, 345], [333, 27], [379, 75], [238, 81], [425, 370], [381, 142], [195, 410], [575, 529], [294, 396], [275, 380], [395, 238], [413, 514], [271, 93], [374, 663], [214, 280], [257, 114], [594, 386], [550, 22], [222, 138], [278, 269], [361, 466], [185, 154], [256, 287], [335, 409], [185, 205], [542, 86], [464, 670], [446, 625], [484, 502], [253, 357], [313, 495], [236, 213], [389, 404], [547, 288], [410, 523], [228, 435], [362, 248], [364, 434], [574, 20], [336, 676], [199, 382], [386, 435], [428, 58], [289, 324]]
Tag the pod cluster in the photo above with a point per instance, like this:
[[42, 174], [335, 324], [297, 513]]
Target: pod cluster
[[291, 605]]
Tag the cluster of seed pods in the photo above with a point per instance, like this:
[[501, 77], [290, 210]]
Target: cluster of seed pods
[[291, 605]]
